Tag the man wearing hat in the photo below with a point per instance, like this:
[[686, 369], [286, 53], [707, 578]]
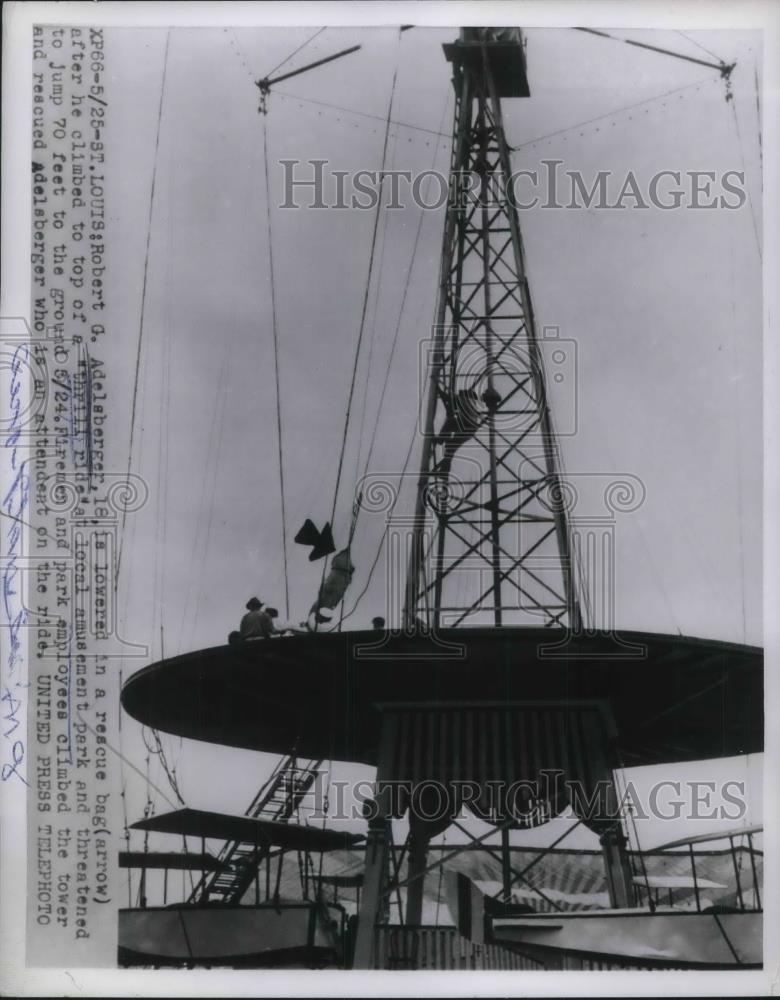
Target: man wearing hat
[[256, 623]]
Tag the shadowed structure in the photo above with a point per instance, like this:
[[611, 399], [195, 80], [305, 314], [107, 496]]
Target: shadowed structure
[[673, 698]]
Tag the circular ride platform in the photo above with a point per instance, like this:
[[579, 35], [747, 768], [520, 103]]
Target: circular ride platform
[[673, 698]]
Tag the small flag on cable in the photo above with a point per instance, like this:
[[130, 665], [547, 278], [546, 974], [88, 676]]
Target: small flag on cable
[[321, 541]]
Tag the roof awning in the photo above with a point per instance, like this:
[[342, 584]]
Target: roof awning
[[247, 830], [704, 838], [343, 881], [178, 860]]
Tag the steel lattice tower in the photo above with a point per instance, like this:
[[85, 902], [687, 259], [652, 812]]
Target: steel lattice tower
[[490, 542]]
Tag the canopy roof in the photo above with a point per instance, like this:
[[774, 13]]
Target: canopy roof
[[248, 830], [673, 698], [178, 860], [704, 838], [343, 881]]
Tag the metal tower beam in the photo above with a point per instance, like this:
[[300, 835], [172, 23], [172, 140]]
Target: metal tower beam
[[490, 539]]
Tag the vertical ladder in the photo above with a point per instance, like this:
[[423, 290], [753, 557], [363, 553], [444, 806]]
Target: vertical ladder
[[277, 800]]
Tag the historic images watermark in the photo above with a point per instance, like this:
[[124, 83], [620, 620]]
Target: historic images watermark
[[315, 184], [527, 803]]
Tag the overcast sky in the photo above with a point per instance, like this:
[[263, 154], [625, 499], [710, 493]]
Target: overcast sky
[[664, 307]]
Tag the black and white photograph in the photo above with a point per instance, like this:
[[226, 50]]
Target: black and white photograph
[[387, 535]]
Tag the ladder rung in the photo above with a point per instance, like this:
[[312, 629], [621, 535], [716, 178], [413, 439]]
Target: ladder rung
[[277, 801]]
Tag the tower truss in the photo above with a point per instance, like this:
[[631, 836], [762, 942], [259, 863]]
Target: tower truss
[[490, 543]]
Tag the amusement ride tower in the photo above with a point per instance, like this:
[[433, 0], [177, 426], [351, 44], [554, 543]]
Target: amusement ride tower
[[493, 679], [490, 472]]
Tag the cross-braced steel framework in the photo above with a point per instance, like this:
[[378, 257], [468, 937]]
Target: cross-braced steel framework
[[490, 542]]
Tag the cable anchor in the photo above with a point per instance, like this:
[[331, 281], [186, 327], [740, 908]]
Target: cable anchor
[[265, 89], [725, 71]]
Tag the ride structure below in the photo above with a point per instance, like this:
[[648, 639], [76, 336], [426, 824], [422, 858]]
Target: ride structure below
[[480, 705]]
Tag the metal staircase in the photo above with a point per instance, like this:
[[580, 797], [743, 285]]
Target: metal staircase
[[278, 800]]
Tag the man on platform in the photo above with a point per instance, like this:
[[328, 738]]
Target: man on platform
[[257, 623]]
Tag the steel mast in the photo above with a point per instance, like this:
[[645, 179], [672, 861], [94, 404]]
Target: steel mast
[[490, 541]]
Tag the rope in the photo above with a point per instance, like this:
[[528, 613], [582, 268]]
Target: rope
[[383, 539], [365, 305], [380, 406], [616, 111], [161, 521], [402, 308], [129, 763], [758, 117], [294, 53], [203, 520], [654, 48], [217, 452], [747, 187], [698, 45], [236, 46], [276, 368], [159, 752], [360, 114], [576, 568], [738, 442], [373, 338], [446, 135], [361, 332], [143, 297]]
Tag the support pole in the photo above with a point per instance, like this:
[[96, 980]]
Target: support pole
[[506, 866], [373, 907], [736, 873], [619, 880], [695, 877], [373, 888], [756, 890], [418, 859], [603, 759]]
